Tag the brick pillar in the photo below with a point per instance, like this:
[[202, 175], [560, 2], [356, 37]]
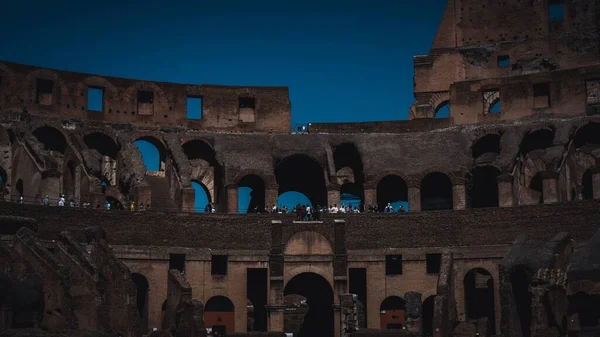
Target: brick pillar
[[271, 195], [414, 198], [188, 199], [550, 187], [459, 196], [232, 199], [276, 305], [370, 197], [333, 194], [505, 190]]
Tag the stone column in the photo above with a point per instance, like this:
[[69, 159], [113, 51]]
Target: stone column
[[271, 195], [370, 197], [413, 314], [459, 196], [596, 182], [505, 190], [188, 199], [276, 306], [414, 198], [550, 187], [333, 194], [232, 199]]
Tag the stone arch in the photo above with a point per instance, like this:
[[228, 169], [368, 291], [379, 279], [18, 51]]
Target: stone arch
[[479, 296], [52, 138], [142, 299], [587, 136], [442, 111], [349, 170], [201, 187], [537, 139], [319, 320], [257, 187], [436, 192], [302, 173], [520, 278], [391, 189], [205, 166], [308, 243], [160, 147], [391, 313], [488, 145], [219, 314], [61, 95], [103, 143]]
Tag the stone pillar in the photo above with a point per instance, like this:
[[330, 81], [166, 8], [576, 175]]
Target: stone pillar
[[370, 197], [505, 190], [188, 200], [333, 194], [142, 194], [414, 308], [348, 314], [596, 182], [232, 199], [414, 198], [459, 196], [77, 184], [276, 306], [271, 195], [550, 187]]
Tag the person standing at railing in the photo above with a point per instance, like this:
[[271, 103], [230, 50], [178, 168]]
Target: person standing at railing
[[61, 201], [46, 200], [21, 199]]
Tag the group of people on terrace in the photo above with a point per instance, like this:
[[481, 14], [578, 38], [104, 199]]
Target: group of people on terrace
[[306, 212], [61, 201]]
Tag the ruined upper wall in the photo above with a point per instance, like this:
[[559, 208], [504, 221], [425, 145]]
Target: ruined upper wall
[[487, 43], [49, 92]]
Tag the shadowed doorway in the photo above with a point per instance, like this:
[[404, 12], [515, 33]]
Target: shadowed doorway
[[318, 321]]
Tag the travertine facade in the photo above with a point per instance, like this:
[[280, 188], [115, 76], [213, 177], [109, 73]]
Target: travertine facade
[[518, 154]]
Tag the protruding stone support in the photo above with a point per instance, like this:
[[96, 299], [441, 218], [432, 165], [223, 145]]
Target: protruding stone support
[[550, 187], [414, 198], [459, 196], [505, 190], [232, 199], [333, 194], [414, 308]]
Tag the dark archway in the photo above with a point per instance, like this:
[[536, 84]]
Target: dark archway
[[141, 284], [346, 155], [391, 313], [391, 189], [428, 306], [436, 192], [318, 321], [52, 139], [251, 194], [588, 308], [587, 185], [483, 187], [69, 180], [479, 297], [196, 150], [537, 184], [486, 144], [537, 140], [19, 189], [587, 135], [115, 204], [219, 314], [153, 152], [520, 279], [301, 173], [102, 143]]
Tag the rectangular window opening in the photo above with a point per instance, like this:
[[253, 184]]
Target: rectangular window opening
[[433, 263], [145, 103], [592, 88], [177, 261], [357, 284], [556, 11], [247, 105], [218, 265], [541, 95], [44, 90], [503, 61], [247, 102], [95, 99], [393, 264], [194, 108], [256, 288]]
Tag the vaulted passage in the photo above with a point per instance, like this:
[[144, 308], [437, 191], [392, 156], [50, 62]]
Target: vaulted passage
[[219, 314], [483, 187], [318, 321], [300, 173], [391, 313], [206, 170], [537, 140], [52, 139], [479, 297], [102, 143], [141, 284], [436, 192], [251, 194], [154, 153], [587, 136], [520, 279], [486, 145], [393, 190]]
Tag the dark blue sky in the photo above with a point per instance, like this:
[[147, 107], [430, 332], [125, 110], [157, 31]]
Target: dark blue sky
[[344, 60]]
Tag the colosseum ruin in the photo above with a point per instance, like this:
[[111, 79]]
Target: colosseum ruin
[[499, 237]]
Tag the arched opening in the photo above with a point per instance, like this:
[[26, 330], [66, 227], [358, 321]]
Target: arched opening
[[69, 180], [200, 154], [587, 136], [347, 159], [153, 153], [442, 111], [520, 279], [496, 107], [488, 145], [393, 190], [318, 321], [436, 192], [291, 199], [300, 173], [219, 315], [391, 313], [52, 139], [115, 204], [479, 297], [201, 197], [588, 309], [537, 140], [251, 194], [537, 186], [428, 306], [141, 284], [587, 185], [483, 187], [19, 189], [102, 143]]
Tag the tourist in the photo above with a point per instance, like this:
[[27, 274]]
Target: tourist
[[46, 200], [107, 205], [401, 209], [72, 203], [21, 199], [61, 200]]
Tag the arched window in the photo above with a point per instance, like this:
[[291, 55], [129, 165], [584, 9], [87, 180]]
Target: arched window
[[486, 144], [391, 313], [153, 153], [201, 197], [302, 174], [102, 143], [436, 192], [537, 140], [483, 187], [392, 189], [587, 136], [251, 194], [442, 111], [52, 139]]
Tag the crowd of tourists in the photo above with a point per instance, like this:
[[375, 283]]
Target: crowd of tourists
[[307, 213], [61, 201]]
